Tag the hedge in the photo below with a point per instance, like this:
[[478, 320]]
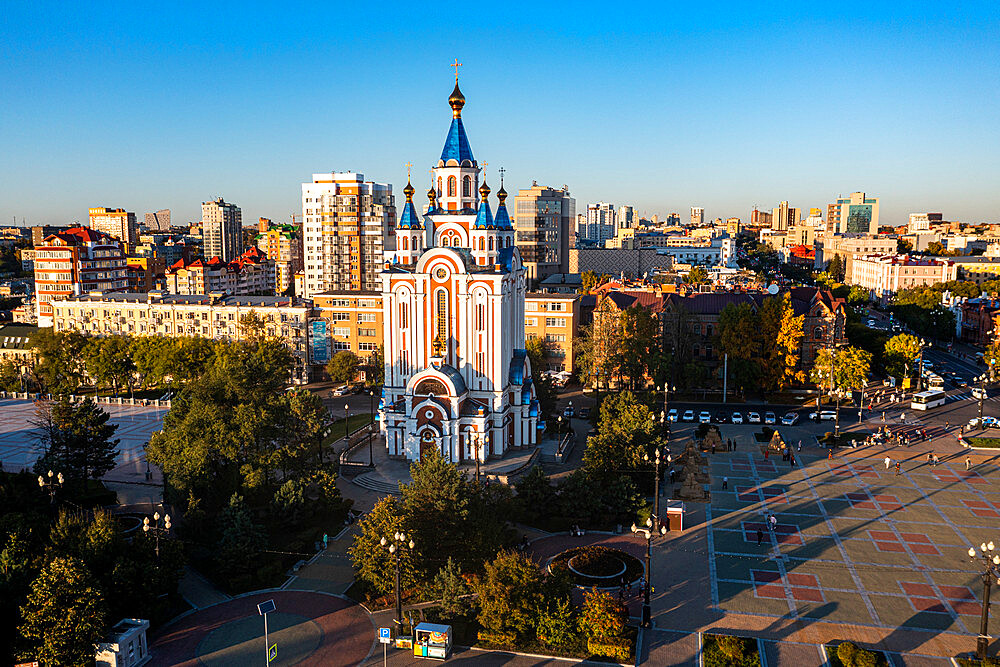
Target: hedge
[[617, 649], [497, 638]]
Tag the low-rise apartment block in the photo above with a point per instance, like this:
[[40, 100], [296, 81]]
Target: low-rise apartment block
[[75, 261], [176, 315], [555, 319], [884, 275], [250, 273], [283, 245]]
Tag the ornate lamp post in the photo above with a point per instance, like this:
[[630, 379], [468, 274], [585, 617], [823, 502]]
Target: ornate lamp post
[[988, 375], [649, 532], [371, 428], [347, 426], [395, 544], [156, 529], [989, 560], [54, 482], [920, 368]]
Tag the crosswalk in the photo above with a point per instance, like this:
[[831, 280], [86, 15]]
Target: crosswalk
[[967, 395]]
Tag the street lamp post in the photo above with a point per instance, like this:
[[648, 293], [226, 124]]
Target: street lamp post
[[398, 542], [156, 529], [989, 559], [371, 428], [347, 426], [656, 480], [920, 368], [649, 532], [51, 485], [988, 375]]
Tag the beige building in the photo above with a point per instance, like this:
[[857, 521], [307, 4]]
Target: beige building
[[283, 245], [250, 273], [177, 315], [978, 269], [542, 222], [348, 223], [346, 321], [857, 214], [884, 275], [554, 318], [784, 217], [117, 223], [222, 230]]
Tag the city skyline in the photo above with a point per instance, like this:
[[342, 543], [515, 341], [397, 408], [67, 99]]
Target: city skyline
[[717, 111]]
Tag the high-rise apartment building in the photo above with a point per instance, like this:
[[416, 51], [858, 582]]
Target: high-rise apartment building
[[697, 215], [855, 214], [222, 230], [760, 218], [347, 225], [626, 218], [117, 223], [784, 217], [159, 221], [600, 222], [76, 261], [542, 218], [283, 245], [673, 220]]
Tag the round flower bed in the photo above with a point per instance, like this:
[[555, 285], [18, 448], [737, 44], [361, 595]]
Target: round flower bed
[[599, 566]]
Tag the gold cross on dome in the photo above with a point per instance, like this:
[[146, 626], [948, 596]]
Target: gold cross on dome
[[408, 165], [502, 170], [456, 65], [485, 164]]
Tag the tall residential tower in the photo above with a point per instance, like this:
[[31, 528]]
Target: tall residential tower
[[222, 229]]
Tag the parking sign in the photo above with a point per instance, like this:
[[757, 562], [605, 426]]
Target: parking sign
[[384, 635]]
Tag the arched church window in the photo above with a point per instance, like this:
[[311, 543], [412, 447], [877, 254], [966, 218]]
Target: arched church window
[[466, 187], [491, 243], [444, 241], [452, 186], [405, 244], [482, 243], [404, 316], [441, 312], [439, 186]]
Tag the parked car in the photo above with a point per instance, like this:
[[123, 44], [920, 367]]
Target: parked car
[[584, 413], [753, 417], [688, 416], [769, 418], [342, 391], [979, 393], [824, 415], [737, 418], [704, 417], [569, 412], [672, 415], [720, 417], [790, 418], [871, 324]]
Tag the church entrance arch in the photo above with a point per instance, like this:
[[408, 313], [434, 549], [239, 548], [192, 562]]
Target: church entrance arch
[[428, 442]]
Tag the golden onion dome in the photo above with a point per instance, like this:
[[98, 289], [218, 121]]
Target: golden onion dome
[[408, 191], [484, 190], [457, 101]]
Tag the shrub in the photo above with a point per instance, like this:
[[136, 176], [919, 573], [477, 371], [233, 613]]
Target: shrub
[[603, 617], [497, 638], [846, 653], [864, 658], [616, 649], [731, 646], [556, 626]]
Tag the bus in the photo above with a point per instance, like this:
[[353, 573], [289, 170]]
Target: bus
[[935, 383], [926, 400]]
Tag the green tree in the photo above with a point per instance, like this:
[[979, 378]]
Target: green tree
[[437, 505], [556, 625], [60, 367], [639, 336], [109, 362], [343, 367], [901, 351], [842, 369], [509, 594], [626, 433], [602, 617], [375, 368], [77, 438], [780, 360], [991, 357], [240, 542], [65, 614], [836, 268], [451, 590], [590, 280], [739, 337], [10, 376], [535, 495], [903, 246], [371, 560], [696, 276]]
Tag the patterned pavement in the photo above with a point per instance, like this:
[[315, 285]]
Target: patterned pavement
[[854, 543]]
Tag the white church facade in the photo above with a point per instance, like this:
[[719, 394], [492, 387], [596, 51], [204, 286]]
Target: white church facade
[[457, 378]]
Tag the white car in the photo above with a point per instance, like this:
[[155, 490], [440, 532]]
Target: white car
[[341, 391], [790, 419], [824, 415], [769, 418], [704, 417], [737, 418], [672, 415], [688, 416], [753, 418]]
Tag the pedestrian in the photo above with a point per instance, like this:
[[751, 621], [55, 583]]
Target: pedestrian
[[897, 468], [888, 462], [774, 522], [968, 463], [760, 536], [672, 474], [326, 540], [936, 460], [725, 482], [766, 452], [930, 457], [799, 448], [829, 454], [946, 425], [791, 460]]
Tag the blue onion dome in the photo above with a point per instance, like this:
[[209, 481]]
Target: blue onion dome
[[409, 218], [484, 218]]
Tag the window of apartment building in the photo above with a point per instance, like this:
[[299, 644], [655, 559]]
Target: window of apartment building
[[367, 347], [368, 303], [341, 303], [369, 333], [557, 306], [530, 305], [367, 317], [555, 321], [555, 338], [340, 317], [339, 345], [531, 321], [343, 332]]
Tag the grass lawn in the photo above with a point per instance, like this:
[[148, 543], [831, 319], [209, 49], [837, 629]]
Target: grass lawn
[[354, 422], [991, 443]]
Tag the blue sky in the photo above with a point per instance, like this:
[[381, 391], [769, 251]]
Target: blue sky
[[661, 105]]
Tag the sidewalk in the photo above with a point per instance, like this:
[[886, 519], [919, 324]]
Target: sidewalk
[[330, 570], [198, 591]]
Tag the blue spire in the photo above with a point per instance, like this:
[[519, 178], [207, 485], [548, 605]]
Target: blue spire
[[409, 219], [484, 219], [456, 146], [502, 219]]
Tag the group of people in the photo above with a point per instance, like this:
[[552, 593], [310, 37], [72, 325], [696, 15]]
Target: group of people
[[884, 436], [772, 522]]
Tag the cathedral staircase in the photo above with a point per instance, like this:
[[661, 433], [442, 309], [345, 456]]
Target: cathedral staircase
[[378, 485]]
